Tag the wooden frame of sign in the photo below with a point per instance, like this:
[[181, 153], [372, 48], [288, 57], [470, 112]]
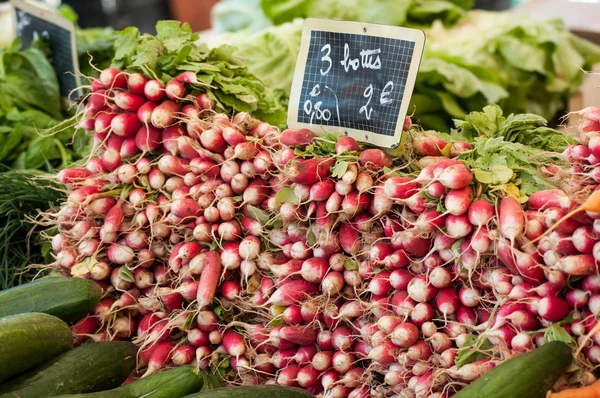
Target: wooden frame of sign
[[67, 82], [356, 79]]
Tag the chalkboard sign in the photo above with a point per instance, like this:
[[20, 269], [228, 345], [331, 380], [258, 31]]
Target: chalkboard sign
[[33, 20], [355, 78]]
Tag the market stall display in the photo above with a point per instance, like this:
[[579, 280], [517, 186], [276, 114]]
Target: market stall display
[[199, 247]]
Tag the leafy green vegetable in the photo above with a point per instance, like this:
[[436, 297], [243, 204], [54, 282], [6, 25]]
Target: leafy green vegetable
[[22, 196], [525, 128], [387, 12], [32, 134], [224, 77], [236, 15], [471, 59]]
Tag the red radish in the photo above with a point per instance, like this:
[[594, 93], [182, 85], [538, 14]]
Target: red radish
[[384, 353], [234, 343], [590, 113], [553, 309], [457, 201], [209, 278], [212, 139], [309, 171], [174, 90], [322, 190], [346, 144], [472, 371], [314, 269], [456, 176], [154, 90], [300, 137], [577, 298], [128, 102], [428, 145], [136, 83], [447, 301], [332, 283], [342, 361], [511, 218], [458, 226], [591, 204], [164, 114], [404, 335], [148, 138], [459, 148], [292, 292], [577, 265], [113, 78], [400, 187], [161, 355], [342, 338], [374, 159], [144, 113], [307, 376], [288, 375], [183, 355], [125, 124], [103, 122], [422, 312], [301, 335]]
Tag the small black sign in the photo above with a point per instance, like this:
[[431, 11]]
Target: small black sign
[[33, 21], [358, 83]]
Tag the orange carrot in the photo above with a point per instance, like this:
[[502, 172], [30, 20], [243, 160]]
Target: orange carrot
[[591, 391], [592, 204]]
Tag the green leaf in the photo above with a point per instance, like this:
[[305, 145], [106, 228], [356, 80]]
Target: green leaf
[[257, 214], [218, 311], [350, 264], [173, 34], [189, 321], [311, 239], [276, 322], [126, 43], [286, 195], [126, 275], [339, 169], [471, 351], [556, 332]]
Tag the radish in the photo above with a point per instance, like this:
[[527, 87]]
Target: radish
[[456, 176], [404, 335], [457, 203], [164, 114], [428, 145], [160, 356], [374, 159], [125, 124], [346, 144], [209, 279], [300, 137], [113, 78], [127, 101], [174, 90], [234, 344], [553, 309], [309, 171]]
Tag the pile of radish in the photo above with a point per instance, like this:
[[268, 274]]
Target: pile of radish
[[282, 257]]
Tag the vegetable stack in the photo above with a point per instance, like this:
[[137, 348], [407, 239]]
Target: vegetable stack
[[286, 258]]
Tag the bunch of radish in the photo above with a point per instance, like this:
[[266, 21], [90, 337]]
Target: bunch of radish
[[225, 243]]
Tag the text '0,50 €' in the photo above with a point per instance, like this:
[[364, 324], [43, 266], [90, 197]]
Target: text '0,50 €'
[[368, 59]]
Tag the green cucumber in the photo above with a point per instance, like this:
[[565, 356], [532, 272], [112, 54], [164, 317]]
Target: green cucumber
[[69, 299], [253, 392], [529, 375], [27, 340], [87, 368], [170, 383]]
